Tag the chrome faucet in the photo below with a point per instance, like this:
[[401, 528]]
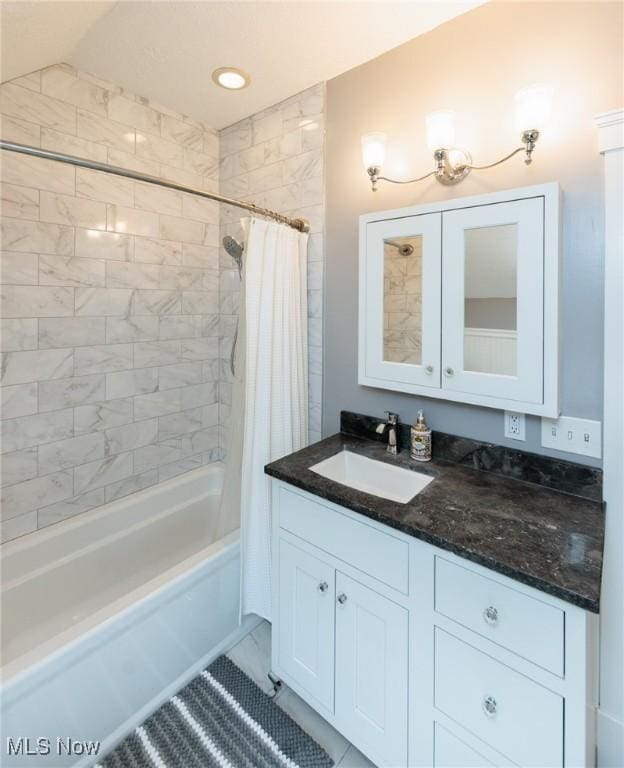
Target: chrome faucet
[[392, 427]]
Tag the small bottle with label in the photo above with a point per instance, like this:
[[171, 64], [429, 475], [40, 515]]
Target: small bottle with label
[[420, 444]]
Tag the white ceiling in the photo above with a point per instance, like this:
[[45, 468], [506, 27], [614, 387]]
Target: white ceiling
[[37, 34], [167, 51]]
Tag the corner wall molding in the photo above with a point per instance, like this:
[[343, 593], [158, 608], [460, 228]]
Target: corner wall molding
[[610, 722], [610, 130]]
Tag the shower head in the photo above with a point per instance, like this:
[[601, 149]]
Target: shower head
[[405, 249], [234, 249]]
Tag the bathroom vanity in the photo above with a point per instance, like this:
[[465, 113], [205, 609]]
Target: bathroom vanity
[[455, 629]]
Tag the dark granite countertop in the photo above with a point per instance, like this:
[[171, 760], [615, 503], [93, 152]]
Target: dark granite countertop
[[550, 540]]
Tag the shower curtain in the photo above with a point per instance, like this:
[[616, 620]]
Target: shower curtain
[[270, 392]]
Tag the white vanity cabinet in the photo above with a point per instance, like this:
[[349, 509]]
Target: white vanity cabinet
[[371, 662], [346, 646], [307, 621], [419, 657], [460, 300]]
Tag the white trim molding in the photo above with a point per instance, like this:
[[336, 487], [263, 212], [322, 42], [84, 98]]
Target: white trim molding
[[610, 130], [611, 709]]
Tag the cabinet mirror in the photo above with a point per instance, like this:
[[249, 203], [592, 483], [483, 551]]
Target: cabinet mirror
[[490, 299], [402, 337]]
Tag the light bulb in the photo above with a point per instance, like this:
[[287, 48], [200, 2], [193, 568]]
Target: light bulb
[[231, 78], [440, 129], [373, 149], [533, 105]]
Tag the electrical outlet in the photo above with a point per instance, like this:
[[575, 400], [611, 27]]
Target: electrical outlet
[[573, 435], [514, 425]]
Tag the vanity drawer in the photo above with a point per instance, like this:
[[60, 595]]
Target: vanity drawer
[[451, 752], [522, 624], [513, 714], [378, 554]]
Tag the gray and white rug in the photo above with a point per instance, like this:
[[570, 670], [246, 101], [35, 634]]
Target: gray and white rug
[[220, 720]]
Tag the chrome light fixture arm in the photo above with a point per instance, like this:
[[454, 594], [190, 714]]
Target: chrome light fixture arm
[[529, 139], [449, 173], [373, 172]]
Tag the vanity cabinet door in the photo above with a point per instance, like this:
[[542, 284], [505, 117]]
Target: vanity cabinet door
[[371, 671], [400, 262], [306, 622], [493, 301]]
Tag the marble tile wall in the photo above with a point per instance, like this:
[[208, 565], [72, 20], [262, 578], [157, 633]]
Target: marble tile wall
[[110, 299], [403, 301], [275, 158]]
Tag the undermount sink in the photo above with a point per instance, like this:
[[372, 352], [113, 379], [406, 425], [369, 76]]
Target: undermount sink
[[371, 476]]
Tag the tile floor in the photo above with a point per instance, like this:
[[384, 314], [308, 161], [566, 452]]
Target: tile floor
[[253, 656]]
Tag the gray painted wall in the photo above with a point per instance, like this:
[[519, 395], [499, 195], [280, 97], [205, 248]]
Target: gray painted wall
[[577, 48]]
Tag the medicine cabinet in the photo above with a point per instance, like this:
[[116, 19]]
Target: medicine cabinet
[[460, 300]]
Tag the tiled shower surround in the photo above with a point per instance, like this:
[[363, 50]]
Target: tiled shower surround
[[109, 300], [115, 293], [275, 158], [403, 302]]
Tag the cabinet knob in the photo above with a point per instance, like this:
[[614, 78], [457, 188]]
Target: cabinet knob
[[323, 587], [342, 598], [489, 706], [490, 615], [448, 371], [429, 369]]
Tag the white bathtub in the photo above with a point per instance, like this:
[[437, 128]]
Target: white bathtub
[[104, 616]]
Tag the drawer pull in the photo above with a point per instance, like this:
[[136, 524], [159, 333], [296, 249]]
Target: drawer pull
[[489, 706], [323, 587], [490, 616], [342, 598]]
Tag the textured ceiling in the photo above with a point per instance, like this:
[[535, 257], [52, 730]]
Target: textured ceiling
[[167, 51], [37, 34]]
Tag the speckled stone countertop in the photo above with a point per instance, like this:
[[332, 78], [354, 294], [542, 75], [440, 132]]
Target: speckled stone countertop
[[548, 539]]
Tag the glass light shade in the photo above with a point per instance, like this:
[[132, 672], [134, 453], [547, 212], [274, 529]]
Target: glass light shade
[[533, 105], [440, 129], [374, 149]]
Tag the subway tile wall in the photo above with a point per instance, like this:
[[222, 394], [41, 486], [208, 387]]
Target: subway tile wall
[[403, 301], [275, 158], [118, 306], [110, 299]]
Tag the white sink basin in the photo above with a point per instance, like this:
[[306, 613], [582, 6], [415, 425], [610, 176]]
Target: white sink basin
[[371, 476]]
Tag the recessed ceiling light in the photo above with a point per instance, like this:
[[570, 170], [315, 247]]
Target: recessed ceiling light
[[231, 78]]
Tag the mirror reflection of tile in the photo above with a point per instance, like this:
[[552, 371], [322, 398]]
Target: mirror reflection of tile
[[403, 300]]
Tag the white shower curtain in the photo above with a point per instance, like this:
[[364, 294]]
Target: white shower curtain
[[270, 394]]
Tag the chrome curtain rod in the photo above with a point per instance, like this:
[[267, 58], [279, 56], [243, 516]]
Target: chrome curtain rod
[[300, 224]]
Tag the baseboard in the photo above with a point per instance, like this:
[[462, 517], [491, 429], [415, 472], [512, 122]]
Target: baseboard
[[247, 625], [610, 737]]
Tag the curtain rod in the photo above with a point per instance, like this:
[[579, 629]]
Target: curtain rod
[[301, 224]]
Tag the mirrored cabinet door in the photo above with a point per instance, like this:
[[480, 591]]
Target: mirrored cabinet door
[[493, 300], [400, 295]]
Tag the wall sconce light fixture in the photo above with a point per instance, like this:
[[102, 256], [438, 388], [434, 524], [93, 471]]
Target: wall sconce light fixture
[[532, 109]]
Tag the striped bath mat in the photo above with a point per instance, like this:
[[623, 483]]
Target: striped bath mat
[[221, 720]]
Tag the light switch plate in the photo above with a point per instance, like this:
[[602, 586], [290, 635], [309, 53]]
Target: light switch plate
[[515, 425], [572, 435]]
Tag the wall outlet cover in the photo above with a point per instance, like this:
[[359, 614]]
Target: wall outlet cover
[[515, 425], [572, 435]]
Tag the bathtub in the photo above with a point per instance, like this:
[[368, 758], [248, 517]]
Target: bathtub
[[106, 615]]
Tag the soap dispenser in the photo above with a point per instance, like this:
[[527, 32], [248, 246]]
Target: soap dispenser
[[420, 444]]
